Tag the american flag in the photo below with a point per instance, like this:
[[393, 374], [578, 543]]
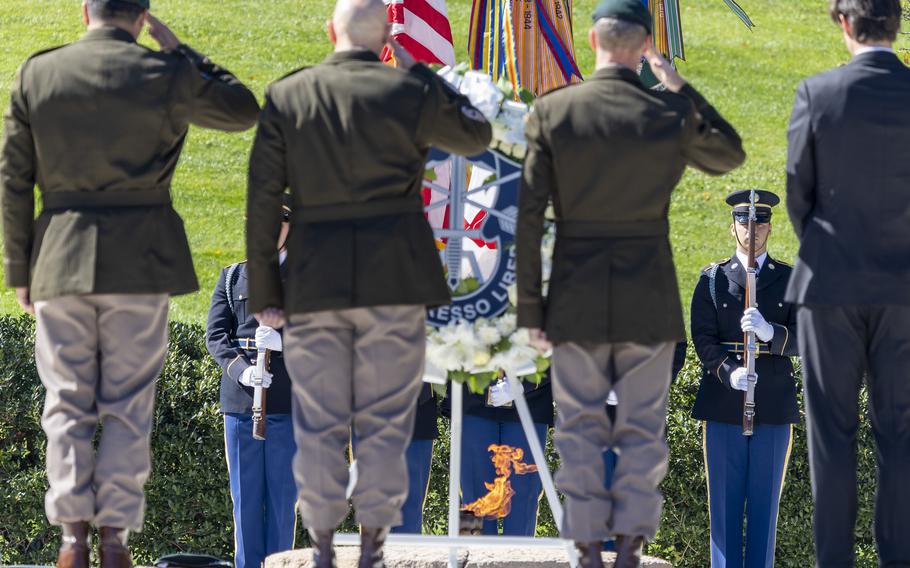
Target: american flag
[[422, 27]]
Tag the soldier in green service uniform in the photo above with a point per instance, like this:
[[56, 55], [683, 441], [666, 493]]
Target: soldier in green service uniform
[[609, 153], [98, 126], [350, 138]]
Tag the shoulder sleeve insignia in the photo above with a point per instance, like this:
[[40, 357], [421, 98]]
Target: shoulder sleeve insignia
[[472, 113]]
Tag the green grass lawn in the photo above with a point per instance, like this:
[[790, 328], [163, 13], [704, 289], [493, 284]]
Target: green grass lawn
[[750, 76]]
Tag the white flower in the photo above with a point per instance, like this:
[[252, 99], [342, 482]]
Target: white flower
[[521, 338], [487, 333], [518, 361], [481, 359], [506, 324]]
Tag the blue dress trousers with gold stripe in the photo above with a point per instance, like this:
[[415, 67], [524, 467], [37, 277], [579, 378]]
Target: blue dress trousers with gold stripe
[[745, 474]]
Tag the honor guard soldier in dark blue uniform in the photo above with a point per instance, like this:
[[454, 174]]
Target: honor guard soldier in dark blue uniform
[[491, 418], [260, 471], [745, 473], [419, 457]]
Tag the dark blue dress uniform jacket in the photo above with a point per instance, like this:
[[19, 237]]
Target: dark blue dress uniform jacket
[[230, 338], [717, 335]]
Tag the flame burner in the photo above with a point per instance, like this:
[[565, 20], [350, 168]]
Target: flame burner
[[497, 503]]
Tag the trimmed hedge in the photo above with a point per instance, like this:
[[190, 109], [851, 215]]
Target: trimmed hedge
[[189, 502]]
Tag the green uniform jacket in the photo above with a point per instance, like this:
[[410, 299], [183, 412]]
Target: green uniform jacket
[[609, 153], [350, 139], [99, 126]]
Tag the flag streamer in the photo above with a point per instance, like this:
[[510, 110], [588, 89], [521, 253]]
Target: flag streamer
[[527, 42]]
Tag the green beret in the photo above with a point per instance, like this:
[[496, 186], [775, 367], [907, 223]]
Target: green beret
[[141, 3], [629, 10]]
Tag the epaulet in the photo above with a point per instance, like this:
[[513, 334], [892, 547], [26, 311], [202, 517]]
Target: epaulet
[[233, 264], [716, 263], [48, 50], [782, 263], [553, 90], [292, 73]]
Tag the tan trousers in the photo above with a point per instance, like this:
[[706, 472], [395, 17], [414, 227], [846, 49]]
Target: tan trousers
[[358, 367], [583, 375], [98, 357]]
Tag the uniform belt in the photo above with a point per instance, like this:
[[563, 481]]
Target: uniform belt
[[359, 210], [247, 343], [737, 347], [91, 199], [612, 229]]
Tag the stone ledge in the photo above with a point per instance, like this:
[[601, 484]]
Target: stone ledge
[[403, 556]]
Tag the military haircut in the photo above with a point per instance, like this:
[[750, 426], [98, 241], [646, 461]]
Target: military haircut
[[361, 21], [871, 20], [108, 10], [617, 35]]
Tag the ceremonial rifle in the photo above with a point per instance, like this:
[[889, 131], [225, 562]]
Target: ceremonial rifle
[[260, 393], [751, 349]]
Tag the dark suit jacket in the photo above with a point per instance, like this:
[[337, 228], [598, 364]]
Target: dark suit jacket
[[222, 330], [716, 325], [848, 184], [99, 119], [609, 152], [351, 135]]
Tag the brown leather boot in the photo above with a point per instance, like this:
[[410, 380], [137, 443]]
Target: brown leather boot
[[372, 542], [589, 554], [323, 553], [628, 551], [74, 550], [112, 550]]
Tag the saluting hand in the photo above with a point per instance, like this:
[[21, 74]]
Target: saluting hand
[[403, 58], [162, 34], [663, 70]]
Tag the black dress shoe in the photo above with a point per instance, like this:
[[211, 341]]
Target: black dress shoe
[[74, 550], [372, 542], [323, 553], [628, 551], [589, 554], [112, 553]]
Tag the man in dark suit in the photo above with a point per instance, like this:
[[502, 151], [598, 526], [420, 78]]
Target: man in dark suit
[[609, 152], [745, 473], [98, 125], [847, 194], [350, 138]]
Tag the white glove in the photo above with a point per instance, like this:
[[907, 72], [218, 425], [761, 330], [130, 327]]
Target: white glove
[[500, 394], [739, 379], [754, 321], [248, 378], [268, 338]]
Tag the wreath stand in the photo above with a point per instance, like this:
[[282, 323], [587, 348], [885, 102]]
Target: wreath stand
[[454, 541]]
